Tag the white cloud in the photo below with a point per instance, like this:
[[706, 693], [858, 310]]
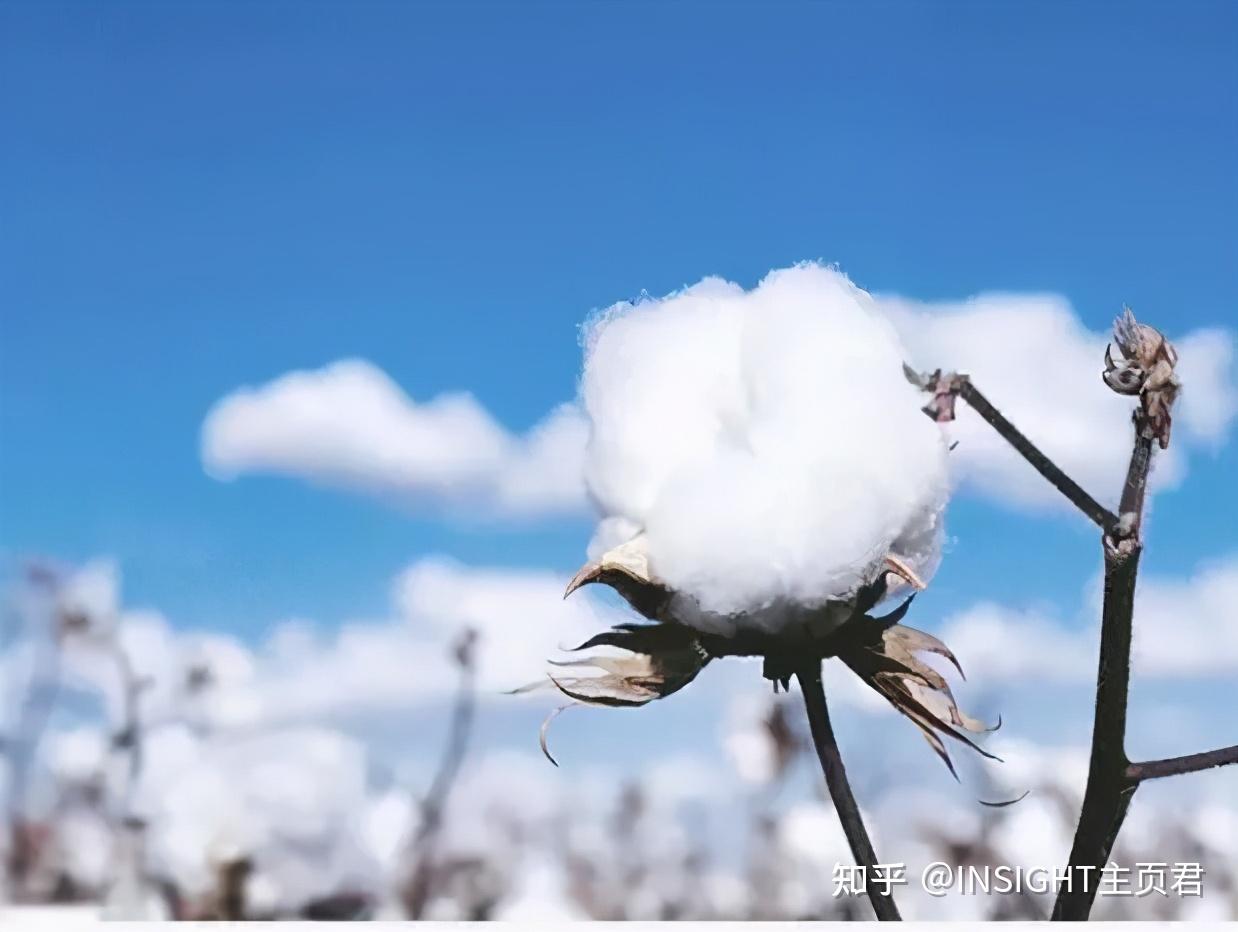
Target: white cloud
[[302, 674], [1188, 628], [1183, 629], [521, 617], [1209, 401], [350, 424], [1035, 361], [995, 642]]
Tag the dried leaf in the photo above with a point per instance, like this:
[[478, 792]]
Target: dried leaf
[[544, 730], [608, 690], [666, 656], [913, 639], [1005, 802], [887, 662], [1145, 369], [661, 659]]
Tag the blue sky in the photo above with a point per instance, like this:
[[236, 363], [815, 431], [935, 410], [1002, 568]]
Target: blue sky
[[196, 197], [201, 196]]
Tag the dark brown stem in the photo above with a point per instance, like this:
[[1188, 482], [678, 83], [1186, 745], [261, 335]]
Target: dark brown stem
[[840, 790], [1188, 763], [129, 738], [1109, 788], [1146, 369], [1108, 791], [21, 749], [417, 891], [1099, 514], [946, 387]]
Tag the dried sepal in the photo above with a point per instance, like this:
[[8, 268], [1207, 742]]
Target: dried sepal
[[626, 570], [896, 565], [1145, 368], [661, 659], [907, 641], [886, 660], [1003, 803], [543, 733], [665, 656]]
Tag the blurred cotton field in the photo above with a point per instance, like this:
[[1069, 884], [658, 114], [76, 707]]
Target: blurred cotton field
[[150, 775]]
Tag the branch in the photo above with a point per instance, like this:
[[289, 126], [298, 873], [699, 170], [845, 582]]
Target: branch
[[1188, 763], [130, 737], [840, 790], [1147, 371], [1108, 792], [417, 892], [21, 747], [946, 388]]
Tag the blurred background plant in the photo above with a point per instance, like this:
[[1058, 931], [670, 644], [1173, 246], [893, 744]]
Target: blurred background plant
[[135, 789]]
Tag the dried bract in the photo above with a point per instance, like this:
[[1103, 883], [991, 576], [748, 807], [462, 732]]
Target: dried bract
[[885, 658], [1146, 369], [666, 656]]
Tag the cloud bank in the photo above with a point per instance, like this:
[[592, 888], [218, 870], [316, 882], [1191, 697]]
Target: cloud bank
[[302, 674], [1183, 630], [350, 425]]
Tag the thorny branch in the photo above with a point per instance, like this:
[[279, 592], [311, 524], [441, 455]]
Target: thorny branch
[[840, 790], [1146, 370], [417, 891]]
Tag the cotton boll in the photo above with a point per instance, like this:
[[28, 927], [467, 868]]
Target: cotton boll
[[290, 801], [92, 595], [658, 387], [765, 441], [77, 756]]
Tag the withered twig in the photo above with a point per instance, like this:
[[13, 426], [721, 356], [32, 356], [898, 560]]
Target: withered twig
[[840, 789], [1188, 763], [128, 739], [21, 748], [417, 891], [946, 387]]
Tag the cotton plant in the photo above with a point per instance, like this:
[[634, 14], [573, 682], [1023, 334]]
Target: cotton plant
[[766, 479], [287, 804]]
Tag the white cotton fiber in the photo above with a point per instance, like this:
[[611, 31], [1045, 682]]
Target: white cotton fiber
[[766, 441]]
